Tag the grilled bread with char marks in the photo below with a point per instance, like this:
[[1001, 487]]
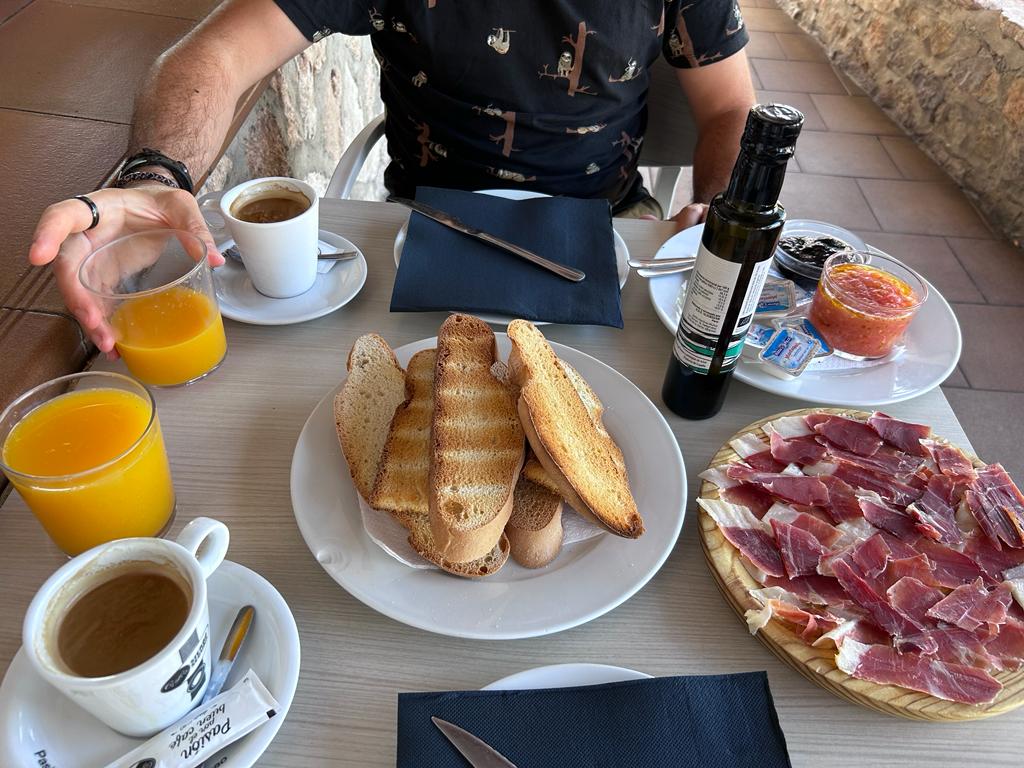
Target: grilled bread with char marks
[[477, 443]]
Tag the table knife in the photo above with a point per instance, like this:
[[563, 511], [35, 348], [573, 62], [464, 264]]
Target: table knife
[[478, 753], [229, 652], [454, 223]]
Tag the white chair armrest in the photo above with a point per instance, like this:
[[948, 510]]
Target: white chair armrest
[[353, 158]]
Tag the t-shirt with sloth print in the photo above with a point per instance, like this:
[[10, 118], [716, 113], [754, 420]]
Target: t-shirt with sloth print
[[548, 95]]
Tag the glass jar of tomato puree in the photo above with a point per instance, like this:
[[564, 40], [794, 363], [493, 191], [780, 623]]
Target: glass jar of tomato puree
[[864, 303]]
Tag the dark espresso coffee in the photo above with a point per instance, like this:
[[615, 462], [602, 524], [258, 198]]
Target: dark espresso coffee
[[259, 205], [123, 620]]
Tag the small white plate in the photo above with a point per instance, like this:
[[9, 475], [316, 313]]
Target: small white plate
[[932, 349], [565, 676], [585, 581], [240, 301], [621, 251], [35, 717]]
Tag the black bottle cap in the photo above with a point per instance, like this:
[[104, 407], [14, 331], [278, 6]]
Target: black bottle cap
[[772, 130]]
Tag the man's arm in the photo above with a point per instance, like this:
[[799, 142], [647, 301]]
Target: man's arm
[[184, 110], [720, 96], [186, 104]]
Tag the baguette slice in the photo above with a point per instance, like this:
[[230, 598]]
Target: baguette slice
[[477, 443], [402, 485], [365, 406], [535, 529], [422, 540], [535, 473], [571, 444]]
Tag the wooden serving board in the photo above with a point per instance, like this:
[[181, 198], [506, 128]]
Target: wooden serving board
[[818, 664]]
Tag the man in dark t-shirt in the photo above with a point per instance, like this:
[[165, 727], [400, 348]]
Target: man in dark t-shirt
[[548, 95]]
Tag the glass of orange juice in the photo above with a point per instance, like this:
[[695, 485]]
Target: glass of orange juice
[[156, 292], [86, 454]]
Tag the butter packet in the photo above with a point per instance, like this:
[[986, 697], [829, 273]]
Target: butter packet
[[788, 353], [778, 297], [205, 731], [805, 326], [758, 335]]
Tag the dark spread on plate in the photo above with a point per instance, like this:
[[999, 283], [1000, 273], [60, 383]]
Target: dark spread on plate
[[812, 249]]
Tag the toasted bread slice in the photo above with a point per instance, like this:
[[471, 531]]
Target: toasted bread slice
[[364, 407], [402, 485], [535, 473], [535, 529], [477, 443], [572, 446], [422, 540]]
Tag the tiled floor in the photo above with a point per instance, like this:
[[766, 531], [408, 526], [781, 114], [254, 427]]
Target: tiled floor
[[858, 169]]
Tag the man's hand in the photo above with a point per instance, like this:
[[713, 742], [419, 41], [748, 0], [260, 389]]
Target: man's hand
[[62, 238], [689, 215]]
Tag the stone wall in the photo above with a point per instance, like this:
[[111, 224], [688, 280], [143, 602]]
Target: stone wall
[[311, 111], [951, 73]]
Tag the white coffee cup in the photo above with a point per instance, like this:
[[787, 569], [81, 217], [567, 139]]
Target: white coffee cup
[[144, 700], [280, 256]]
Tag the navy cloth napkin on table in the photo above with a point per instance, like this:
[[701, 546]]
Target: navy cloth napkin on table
[[712, 721], [442, 269]]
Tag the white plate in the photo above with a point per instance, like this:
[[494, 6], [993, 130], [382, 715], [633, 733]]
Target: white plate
[[565, 676], [240, 301], [585, 581], [932, 349], [34, 716], [621, 251]]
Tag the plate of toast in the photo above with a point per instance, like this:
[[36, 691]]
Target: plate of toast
[[535, 487]]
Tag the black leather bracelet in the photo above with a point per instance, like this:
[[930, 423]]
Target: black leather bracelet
[[146, 176], [149, 156]]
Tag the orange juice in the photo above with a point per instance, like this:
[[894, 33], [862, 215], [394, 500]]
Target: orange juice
[[171, 337], [92, 468]]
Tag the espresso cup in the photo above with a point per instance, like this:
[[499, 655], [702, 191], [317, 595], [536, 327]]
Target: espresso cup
[[147, 698], [280, 256]]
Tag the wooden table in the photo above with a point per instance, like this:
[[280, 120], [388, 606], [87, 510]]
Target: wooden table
[[231, 438]]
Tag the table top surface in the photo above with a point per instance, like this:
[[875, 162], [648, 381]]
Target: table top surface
[[231, 437]]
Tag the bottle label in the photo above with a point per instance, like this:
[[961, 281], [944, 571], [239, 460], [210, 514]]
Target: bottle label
[[708, 297]]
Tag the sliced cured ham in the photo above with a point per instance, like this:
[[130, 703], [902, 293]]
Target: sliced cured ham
[[935, 513], [861, 629], [788, 427], [849, 434], [886, 461], [824, 532], [887, 517], [753, 497], [952, 644], [886, 666], [797, 489], [912, 599], [799, 548], [950, 460], [970, 606], [994, 562], [886, 486], [800, 450], [917, 567], [998, 506], [863, 594], [1008, 645], [871, 556], [818, 590], [903, 435], [750, 536], [842, 499], [810, 624], [949, 567]]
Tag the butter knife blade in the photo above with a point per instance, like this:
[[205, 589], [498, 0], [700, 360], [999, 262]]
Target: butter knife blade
[[229, 652], [478, 752], [452, 222]]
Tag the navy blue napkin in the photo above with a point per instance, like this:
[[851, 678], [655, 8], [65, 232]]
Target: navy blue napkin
[[442, 269], [713, 721]]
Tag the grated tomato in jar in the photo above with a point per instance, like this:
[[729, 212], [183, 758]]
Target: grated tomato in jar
[[863, 310]]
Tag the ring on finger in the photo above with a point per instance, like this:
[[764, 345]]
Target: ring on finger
[[92, 208]]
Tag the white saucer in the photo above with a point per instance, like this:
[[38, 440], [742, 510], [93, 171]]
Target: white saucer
[[621, 251], [932, 348], [240, 301], [564, 676], [586, 580], [34, 716]]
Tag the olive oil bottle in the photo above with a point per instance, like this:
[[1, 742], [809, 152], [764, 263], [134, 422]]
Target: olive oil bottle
[[736, 250]]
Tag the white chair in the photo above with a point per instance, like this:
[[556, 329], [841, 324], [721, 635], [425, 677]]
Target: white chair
[[668, 145]]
